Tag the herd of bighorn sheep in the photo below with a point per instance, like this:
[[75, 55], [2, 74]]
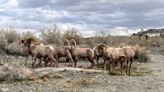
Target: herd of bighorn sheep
[[50, 55]]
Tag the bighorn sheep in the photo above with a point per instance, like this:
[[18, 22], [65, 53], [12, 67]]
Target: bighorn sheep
[[77, 52], [63, 51], [112, 56], [39, 50], [97, 54], [132, 53], [26, 50]]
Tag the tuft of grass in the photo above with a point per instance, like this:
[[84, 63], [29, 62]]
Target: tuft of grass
[[11, 35], [8, 73], [143, 55], [136, 70], [114, 73], [86, 82], [3, 40]]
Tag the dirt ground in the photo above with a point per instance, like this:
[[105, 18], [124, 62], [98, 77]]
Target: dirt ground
[[89, 82]]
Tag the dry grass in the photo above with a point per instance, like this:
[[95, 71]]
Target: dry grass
[[86, 82], [143, 55], [137, 70], [11, 35], [3, 40], [8, 73]]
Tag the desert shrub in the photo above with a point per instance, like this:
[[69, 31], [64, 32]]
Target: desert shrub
[[91, 42], [14, 49], [143, 55], [139, 42], [8, 73], [162, 35], [72, 33], [102, 37], [51, 35], [11, 35], [3, 40], [27, 35]]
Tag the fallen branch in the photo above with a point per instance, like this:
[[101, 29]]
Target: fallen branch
[[50, 70]]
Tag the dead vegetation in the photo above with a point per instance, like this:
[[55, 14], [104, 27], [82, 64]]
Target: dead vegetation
[[9, 73]]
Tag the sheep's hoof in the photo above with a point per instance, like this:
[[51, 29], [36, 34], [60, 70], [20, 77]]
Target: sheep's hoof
[[70, 65]]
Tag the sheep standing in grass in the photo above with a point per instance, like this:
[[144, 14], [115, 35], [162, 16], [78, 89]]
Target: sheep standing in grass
[[132, 53], [63, 51], [26, 50], [112, 56], [77, 52], [40, 50], [97, 55]]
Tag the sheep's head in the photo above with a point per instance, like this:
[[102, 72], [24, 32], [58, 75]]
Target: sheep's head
[[30, 42], [101, 48], [136, 50]]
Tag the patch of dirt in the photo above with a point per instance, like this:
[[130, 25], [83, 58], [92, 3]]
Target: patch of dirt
[[151, 79]]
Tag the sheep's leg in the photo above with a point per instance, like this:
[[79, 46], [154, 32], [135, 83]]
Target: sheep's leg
[[54, 60], [33, 64], [45, 62], [32, 57], [127, 65], [69, 57], [75, 61], [105, 64], [121, 66], [110, 63], [97, 59], [69, 64], [26, 60], [92, 62], [130, 67], [40, 62]]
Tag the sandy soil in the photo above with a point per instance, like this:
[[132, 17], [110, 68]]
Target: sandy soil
[[89, 82]]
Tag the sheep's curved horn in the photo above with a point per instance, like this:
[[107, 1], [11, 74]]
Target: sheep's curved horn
[[101, 46], [66, 42], [73, 42]]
